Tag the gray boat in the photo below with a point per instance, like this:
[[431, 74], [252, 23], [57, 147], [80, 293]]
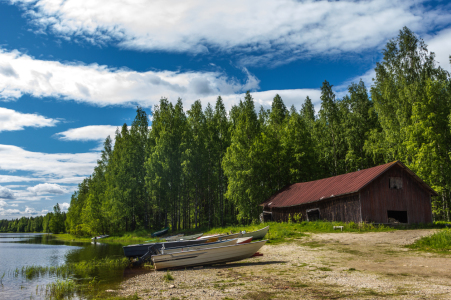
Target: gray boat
[[141, 249]]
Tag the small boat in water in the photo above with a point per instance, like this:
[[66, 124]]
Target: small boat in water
[[207, 256], [258, 234], [99, 237], [160, 233]]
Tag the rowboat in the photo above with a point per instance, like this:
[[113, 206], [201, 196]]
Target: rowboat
[[141, 249], [160, 233], [244, 240], [206, 256], [191, 237], [230, 236], [208, 236], [99, 237], [174, 237], [258, 234], [197, 247]]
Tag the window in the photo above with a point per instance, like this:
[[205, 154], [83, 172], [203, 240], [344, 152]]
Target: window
[[313, 214], [396, 183], [397, 216]]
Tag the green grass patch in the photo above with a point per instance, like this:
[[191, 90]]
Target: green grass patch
[[438, 242], [168, 277], [283, 232]]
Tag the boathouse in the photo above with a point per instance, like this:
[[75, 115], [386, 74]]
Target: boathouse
[[389, 193]]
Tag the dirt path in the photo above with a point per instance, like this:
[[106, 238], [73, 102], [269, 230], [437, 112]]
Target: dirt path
[[322, 266]]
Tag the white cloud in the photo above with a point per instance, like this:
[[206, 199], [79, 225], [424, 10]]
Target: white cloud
[[88, 133], [64, 206], [3, 203], [9, 212], [12, 120], [440, 43], [14, 205], [31, 211], [103, 86], [47, 188], [6, 193], [54, 166], [293, 28]]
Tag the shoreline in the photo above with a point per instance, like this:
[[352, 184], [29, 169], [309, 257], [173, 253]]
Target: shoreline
[[372, 265]]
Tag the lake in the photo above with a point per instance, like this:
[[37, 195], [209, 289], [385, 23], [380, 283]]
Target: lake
[[33, 249]]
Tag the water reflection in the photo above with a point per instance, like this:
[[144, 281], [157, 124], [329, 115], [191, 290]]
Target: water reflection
[[21, 250]]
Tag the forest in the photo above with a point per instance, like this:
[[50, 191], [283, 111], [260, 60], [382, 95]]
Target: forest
[[208, 167]]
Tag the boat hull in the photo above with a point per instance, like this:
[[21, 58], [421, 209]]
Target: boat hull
[[206, 256], [141, 249], [199, 247], [258, 234]]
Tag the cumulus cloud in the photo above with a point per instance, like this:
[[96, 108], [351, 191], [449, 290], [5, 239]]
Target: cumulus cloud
[[64, 206], [9, 212], [103, 86], [47, 188], [30, 211], [55, 166], [88, 133], [274, 28], [3, 203], [6, 193], [440, 43], [12, 120]]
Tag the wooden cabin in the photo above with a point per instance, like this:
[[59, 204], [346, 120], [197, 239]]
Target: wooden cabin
[[389, 193]]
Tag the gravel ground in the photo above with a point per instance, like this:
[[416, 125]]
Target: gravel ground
[[321, 266]]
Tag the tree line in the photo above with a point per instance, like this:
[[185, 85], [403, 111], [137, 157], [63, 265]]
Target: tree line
[[53, 222], [207, 167]]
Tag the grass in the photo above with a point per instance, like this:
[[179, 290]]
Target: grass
[[282, 232], [63, 271], [168, 277], [278, 233], [438, 242]]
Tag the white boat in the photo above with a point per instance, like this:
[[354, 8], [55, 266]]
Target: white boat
[[230, 236], [244, 240], [198, 247], [174, 237], [99, 237], [191, 237], [206, 256], [258, 234]]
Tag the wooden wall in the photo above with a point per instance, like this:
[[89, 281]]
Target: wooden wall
[[342, 209], [377, 198]]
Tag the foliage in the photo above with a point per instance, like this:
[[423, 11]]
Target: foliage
[[438, 242], [205, 167]]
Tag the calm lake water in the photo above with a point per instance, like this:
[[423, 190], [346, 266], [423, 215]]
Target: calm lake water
[[28, 249]]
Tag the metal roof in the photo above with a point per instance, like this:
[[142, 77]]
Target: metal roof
[[305, 192]]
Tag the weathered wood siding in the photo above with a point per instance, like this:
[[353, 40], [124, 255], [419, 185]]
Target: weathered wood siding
[[342, 209], [377, 198]]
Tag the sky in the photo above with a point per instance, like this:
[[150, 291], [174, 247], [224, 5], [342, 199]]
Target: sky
[[72, 71]]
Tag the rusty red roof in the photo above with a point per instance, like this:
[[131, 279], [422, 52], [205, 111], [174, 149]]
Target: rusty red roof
[[305, 192]]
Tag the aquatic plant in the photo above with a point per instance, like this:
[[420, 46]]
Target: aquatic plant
[[1, 278], [60, 289]]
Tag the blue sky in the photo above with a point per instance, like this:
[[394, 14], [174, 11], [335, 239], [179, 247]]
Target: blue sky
[[71, 71]]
